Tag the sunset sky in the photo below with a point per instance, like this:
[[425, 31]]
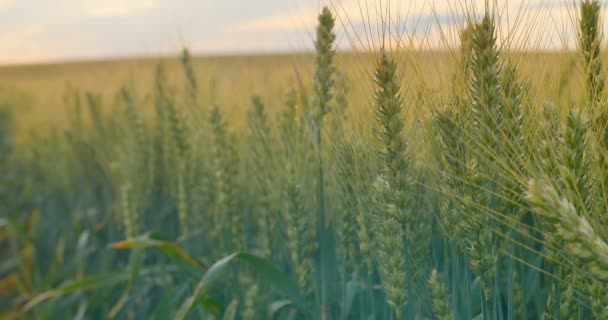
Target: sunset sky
[[56, 30]]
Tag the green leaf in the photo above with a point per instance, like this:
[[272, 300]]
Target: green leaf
[[120, 304], [151, 240], [199, 296], [135, 261], [89, 283], [261, 266]]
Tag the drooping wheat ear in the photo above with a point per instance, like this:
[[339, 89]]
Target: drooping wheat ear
[[440, 298], [574, 231], [192, 83], [324, 71], [569, 289], [392, 184], [590, 38], [570, 169]]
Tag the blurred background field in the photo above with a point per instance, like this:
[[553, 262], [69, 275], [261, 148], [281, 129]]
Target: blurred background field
[[38, 91]]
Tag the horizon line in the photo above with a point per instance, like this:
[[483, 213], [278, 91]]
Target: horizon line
[[225, 54]]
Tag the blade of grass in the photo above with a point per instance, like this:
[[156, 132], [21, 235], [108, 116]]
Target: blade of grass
[[261, 266]]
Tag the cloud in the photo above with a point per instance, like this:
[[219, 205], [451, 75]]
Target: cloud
[[282, 21], [118, 8], [67, 29]]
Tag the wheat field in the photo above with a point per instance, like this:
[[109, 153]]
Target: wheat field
[[398, 183]]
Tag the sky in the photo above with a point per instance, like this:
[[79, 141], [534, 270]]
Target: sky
[[37, 31]]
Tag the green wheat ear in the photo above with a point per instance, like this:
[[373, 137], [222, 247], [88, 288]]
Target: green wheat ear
[[391, 186], [573, 232], [262, 151], [466, 47], [227, 217], [440, 298], [484, 94], [192, 82], [300, 222], [589, 39], [323, 82], [579, 237], [324, 72], [574, 168]]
